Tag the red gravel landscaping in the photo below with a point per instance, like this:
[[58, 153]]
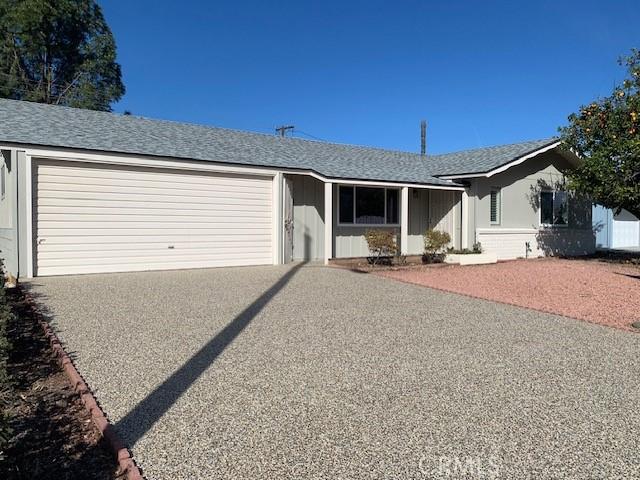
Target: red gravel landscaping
[[598, 292]]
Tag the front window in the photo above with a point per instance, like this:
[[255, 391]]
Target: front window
[[368, 206], [554, 208], [346, 202]]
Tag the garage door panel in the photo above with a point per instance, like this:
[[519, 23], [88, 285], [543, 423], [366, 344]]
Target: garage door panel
[[65, 191], [128, 267], [158, 198], [97, 242], [79, 183], [88, 220], [45, 233], [142, 256], [93, 219], [102, 249], [100, 175], [167, 263], [257, 210], [55, 182], [184, 205]]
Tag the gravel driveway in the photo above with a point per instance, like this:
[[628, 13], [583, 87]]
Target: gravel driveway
[[314, 372]]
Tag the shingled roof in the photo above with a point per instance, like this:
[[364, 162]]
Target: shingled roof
[[57, 126]]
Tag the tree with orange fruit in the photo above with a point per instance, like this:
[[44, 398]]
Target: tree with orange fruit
[[606, 135]]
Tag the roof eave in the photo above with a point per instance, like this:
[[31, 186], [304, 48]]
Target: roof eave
[[512, 163]]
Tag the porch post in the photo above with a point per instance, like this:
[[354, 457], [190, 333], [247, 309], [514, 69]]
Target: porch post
[[278, 213], [464, 227], [328, 222], [404, 221]]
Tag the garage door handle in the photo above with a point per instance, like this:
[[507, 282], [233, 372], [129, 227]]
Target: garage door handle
[[41, 241]]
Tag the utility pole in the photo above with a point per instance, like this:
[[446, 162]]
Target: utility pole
[[423, 138], [283, 130]]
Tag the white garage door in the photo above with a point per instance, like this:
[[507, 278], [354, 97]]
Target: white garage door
[[96, 218], [625, 231]]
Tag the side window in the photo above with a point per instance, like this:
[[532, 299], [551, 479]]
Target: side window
[[495, 206], [554, 208]]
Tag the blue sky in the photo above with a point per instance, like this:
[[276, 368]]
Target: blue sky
[[367, 72]]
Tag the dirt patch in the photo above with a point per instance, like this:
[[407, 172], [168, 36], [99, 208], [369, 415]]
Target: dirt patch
[[55, 437], [595, 291], [366, 265]]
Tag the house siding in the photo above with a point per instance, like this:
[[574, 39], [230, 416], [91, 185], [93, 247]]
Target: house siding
[[519, 212], [439, 209], [8, 214], [308, 217], [602, 226]]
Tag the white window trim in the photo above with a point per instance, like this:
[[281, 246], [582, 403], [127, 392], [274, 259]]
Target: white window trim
[[552, 225], [498, 220], [367, 225]]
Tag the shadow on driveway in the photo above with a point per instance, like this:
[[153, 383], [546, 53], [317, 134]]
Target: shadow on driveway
[[146, 413]]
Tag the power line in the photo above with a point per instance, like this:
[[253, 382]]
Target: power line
[[310, 136]]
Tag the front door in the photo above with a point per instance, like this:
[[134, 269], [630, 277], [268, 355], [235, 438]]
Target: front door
[[288, 220]]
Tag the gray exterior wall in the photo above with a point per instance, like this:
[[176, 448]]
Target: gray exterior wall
[[603, 226], [427, 209], [308, 217], [8, 213], [520, 187]]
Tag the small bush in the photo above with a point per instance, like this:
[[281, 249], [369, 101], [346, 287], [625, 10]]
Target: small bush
[[477, 248], [435, 242], [382, 244]]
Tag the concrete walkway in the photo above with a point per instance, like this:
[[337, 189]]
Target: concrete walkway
[[314, 372]]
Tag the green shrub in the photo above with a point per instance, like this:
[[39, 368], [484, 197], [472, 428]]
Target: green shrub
[[435, 243], [477, 248], [381, 243]]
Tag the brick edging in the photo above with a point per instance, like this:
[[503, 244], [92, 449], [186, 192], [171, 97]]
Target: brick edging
[[128, 468]]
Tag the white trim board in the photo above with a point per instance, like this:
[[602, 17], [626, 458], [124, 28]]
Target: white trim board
[[29, 209], [504, 167]]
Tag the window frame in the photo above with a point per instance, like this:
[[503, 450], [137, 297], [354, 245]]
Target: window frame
[[553, 199], [498, 192], [367, 225]]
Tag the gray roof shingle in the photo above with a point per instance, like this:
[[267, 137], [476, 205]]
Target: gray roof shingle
[[56, 126], [481, 160]]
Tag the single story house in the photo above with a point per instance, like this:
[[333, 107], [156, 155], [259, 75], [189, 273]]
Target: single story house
[[617, 231], [91, 192]]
